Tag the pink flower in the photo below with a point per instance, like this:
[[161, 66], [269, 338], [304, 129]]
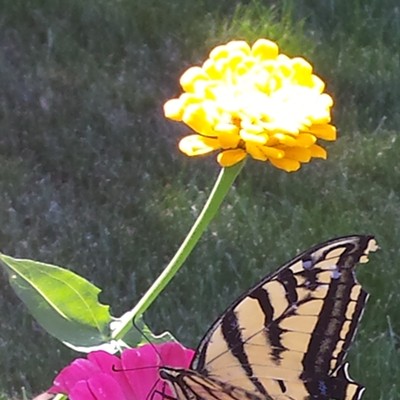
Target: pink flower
[[133, 376]]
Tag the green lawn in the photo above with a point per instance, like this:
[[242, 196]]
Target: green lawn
[[91, 177]]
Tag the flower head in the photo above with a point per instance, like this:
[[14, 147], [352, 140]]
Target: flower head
[[254, 101], [132, 377]]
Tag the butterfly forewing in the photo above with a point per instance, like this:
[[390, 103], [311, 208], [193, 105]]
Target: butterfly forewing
[[287, 337]]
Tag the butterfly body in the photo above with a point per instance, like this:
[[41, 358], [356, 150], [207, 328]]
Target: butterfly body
[[287, 337]]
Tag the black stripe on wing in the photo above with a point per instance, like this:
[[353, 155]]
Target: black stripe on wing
[[232, 333], [274, 331]]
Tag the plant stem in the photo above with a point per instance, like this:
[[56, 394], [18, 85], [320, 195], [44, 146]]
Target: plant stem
[[221, 188]]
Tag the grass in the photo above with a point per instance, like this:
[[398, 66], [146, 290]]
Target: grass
[[90, 177]]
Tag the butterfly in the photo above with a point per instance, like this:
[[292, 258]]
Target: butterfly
[[287, 337]]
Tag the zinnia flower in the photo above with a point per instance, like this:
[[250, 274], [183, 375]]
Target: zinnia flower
[[254, 101], [134, 376]]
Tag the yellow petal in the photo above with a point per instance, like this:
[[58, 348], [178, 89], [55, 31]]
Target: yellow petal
[[228, 140], [235, 58], [253, 138], [248, 127], [301, 67], [238, 45], [195, 145], [228, 158], [272, 141], [318, 152], [286, 164], [272, 152], [173, 109], [305, 140], [241, 68], [325, 131], [298, 154], [265, 49], [190, 77], [200, 118], [284, 66], [221, 67], [227, 127], [318, 84], [255, 152], [287, 140], [219, 52], [210, 69]]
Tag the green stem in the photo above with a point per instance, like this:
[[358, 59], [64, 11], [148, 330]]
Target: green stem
[[221, 188]]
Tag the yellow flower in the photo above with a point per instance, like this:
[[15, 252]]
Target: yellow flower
[[254, 101]]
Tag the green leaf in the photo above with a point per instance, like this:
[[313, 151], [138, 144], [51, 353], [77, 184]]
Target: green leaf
[[64, 304]]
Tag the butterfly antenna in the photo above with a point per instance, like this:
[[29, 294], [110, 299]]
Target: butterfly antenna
[[147, 339], [153, 392]]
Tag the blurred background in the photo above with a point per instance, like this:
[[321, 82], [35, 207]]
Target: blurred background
[[91, 177]]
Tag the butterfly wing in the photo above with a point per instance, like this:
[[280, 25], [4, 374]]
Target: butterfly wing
[[287, 337], [190, 385]]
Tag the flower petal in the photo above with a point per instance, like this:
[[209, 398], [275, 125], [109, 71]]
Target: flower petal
[[326, 131], [228, 140], [175, 355], [298, 154], [104, 386], [141, 370], [318, 152], [81, 391], [111, 364], [173, 109], [265, 49], [228, 158], [79, 369], [190, 77], [253, 138], [256, 152], [285, 164], [272, 152], [196, 145], [305, 140], [99, 387]]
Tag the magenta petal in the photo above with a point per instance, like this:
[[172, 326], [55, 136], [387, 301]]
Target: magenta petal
[[79, 369], [147, 352], [104, 386], [111, 365], [141, 370], [104, 360], [81, 391], [175, 355], [100, 387]]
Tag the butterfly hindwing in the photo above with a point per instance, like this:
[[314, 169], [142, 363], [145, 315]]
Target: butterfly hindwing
[[190, 385], [287, 337]]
